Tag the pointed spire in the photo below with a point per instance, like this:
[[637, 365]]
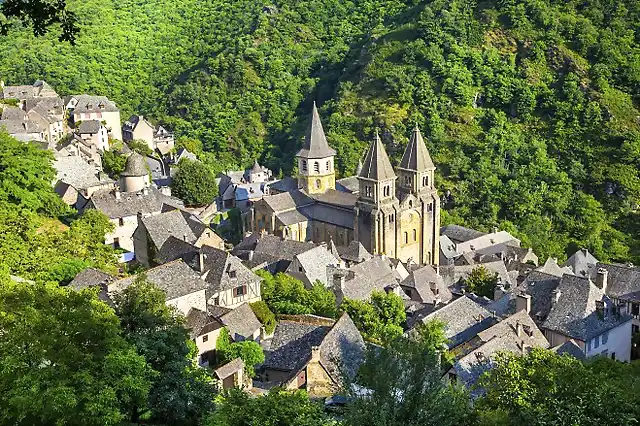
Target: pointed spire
[[376, 163], [256, 167], [416, 157], [359, 168], [315, 143]]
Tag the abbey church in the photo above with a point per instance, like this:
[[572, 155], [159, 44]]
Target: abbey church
[[391, 212]]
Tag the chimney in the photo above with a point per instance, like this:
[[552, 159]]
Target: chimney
[[523, 303], [117, 194], [139, 216], [555, 296], [437, 268], [601, 279], [584, 251], [145, 191], [519, 329], [315, 354], [201, 258], [184, 237], [250, 257]]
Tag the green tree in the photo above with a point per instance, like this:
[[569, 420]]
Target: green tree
[[194, 183], [26, 174], [287, 295], [481, 282], [544, 388], [182, 392], [322, 300], [379, 320], [140, 146], [276, 408], [249, 351], [264, 315], [40, 15], [113, 163], [76, 369], [405, 387]]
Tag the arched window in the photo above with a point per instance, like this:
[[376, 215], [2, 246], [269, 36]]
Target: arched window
[[316, 167], [387, 191], [304, 165], [415, 235], [425, 180], [406, 237], [328, 165], [318, 183]]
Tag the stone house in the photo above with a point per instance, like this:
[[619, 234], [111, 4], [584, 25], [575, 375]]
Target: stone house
[[37, 91], [311, 266], [77, 181], [264, 251], [182, 286], [230, 283], [134, 196], [87, 107], [139, 128], [426, 286], [231, 375], [94, 133], [313, 353], [152, 236]]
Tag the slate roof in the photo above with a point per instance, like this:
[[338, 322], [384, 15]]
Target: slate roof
[[453, 274], [376, 273], [623, 282], [540, 287], [177, 223], [574, 314], [459, 234], [354, 252], [89, 103], [199, 322], [464, 319], [175, 278], [485, 241], [135, 165], [286, 184], [13, 113], [416, 156], [241, 321], [130, 203], [269, 248], [328, 214], [291, 345], [133, 122], [74, 171], [287, 201], [348, 184], [448, 248], [219, 267], [174, 248], [342, 349], [570, 348], [229, 368], [90, 277], [582, 263], [314, 263], [421, 280], [21, 126], [376, 164], [551, 267], [315, 143], [39, 88], [501, 337], [89, 127]]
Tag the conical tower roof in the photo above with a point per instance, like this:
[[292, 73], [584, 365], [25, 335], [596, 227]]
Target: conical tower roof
[[416, 156], [135, 166], [359, 168], [376, 163], [256, 167], [315, 143]]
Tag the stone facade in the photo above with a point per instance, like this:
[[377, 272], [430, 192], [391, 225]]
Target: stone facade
[[395, 212]]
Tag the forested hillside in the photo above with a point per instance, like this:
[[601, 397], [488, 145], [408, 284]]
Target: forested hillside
[[530, 108]]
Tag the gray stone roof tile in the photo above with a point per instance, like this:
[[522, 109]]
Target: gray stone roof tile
[[315, 143], [89, 103], [429, 286], [291, 345], [582, 263], [458, 234], [416, 156], [570, 348], [224, 271], [623, 282], [315, 262], [354, 252], [131, 204], [364, 278], [135, 166], [342, 349], [229, 368], [376, 164], [88, 127], [241, 321], [90, 277], [177, 223]]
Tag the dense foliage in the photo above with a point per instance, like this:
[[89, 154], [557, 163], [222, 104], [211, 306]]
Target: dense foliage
[[529, 107], [286, 295], [546, 389], [248, 351], [34, 243], [380, 319], [481, 281], [194, 183], [63, 359], [181, 392], [264, 315]]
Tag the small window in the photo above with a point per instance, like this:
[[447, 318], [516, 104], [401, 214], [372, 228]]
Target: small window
[[205, 339], [316, 167], [387, 191], [299, 268], [368, 191], [391, 218], [429, 207], [406, 237], [304, 165], [425, 180], [216, 301], [116, 242], [613, 356], [415, 235], [588, 345], [605, 337], [232, 274], [239, 291], [635, 309], [318, 183], [328, 165], [121, 221], [596, 342], [410, 204]]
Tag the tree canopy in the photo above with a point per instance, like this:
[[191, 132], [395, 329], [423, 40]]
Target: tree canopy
[[380, 319], [194, 183]]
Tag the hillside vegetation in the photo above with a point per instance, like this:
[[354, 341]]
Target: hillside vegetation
[[530, 108]]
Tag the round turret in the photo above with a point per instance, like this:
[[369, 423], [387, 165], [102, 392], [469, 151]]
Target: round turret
[[135, 176]]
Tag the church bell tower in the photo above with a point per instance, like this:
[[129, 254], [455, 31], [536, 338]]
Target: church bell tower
[[316, 172]]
